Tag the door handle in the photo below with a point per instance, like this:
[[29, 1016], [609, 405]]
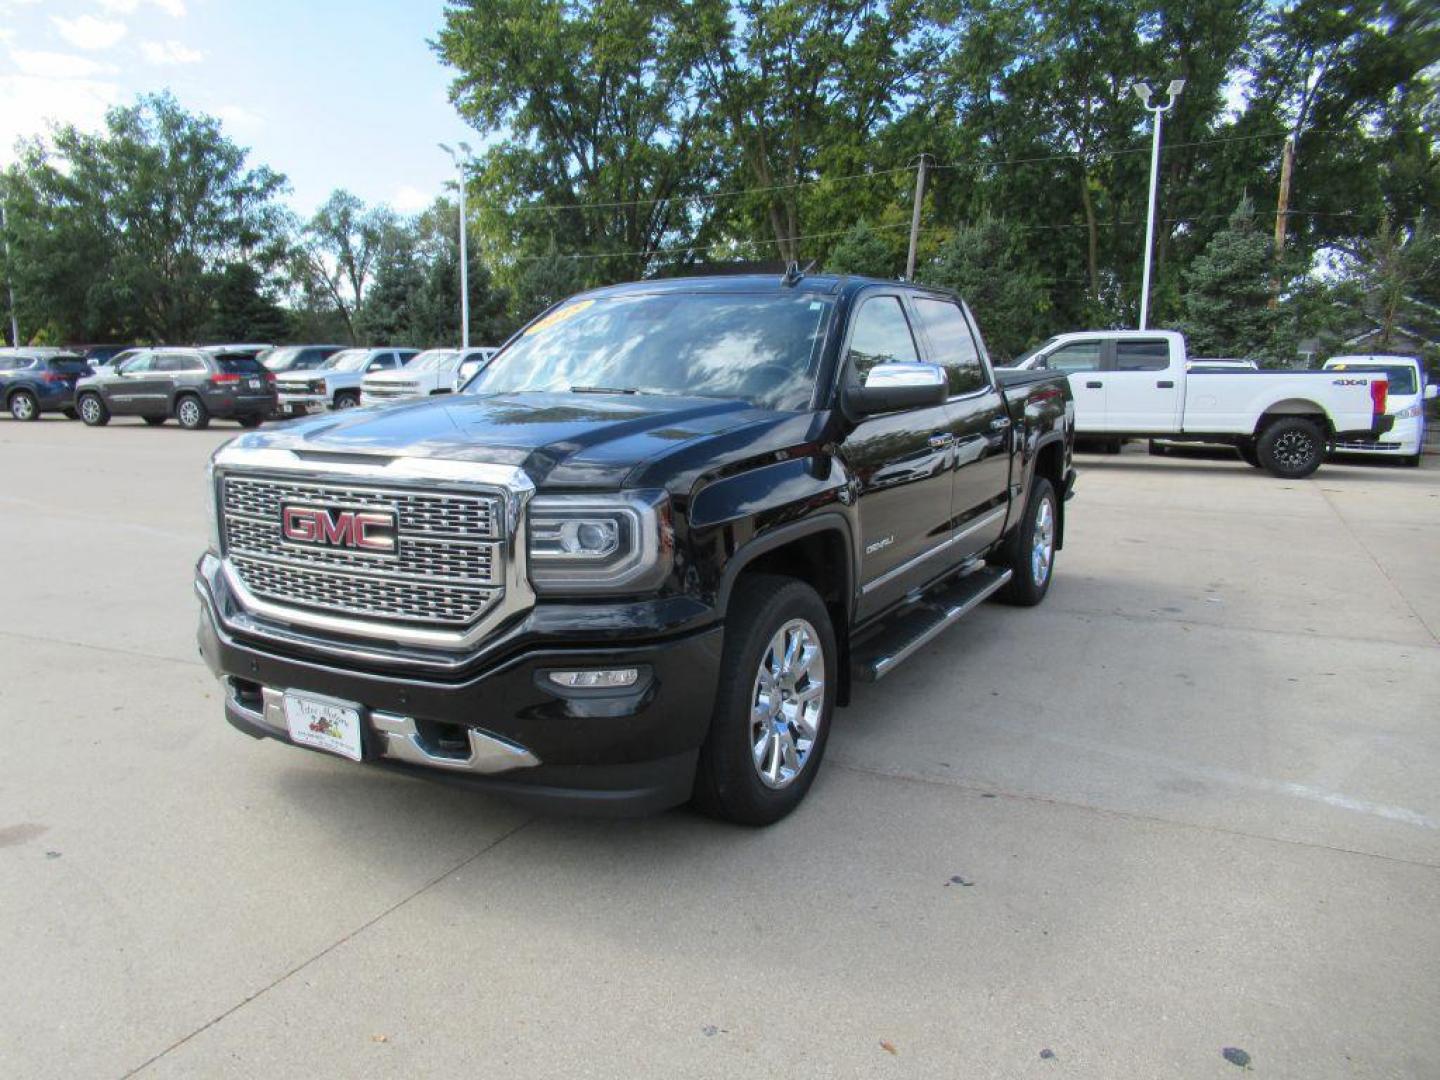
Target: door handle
[[1000, 423], [1166, 384], [942, 440], [1094, 385]]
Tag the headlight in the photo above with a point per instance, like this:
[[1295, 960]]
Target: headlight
[[212, 512], [607, 543], [1410, 411]]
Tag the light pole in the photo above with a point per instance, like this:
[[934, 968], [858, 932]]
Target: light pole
[[1143, 92], [460, 163], [10, 281]]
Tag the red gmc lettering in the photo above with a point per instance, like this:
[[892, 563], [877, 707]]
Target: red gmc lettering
[[364, 530]]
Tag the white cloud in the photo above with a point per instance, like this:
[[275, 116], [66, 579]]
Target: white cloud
[[239, 120], [27, 102], [411, 200], [88, 32], [174, 8], [170, 52], [58, 65]]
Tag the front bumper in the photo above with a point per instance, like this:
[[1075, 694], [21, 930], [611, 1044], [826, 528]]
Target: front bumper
[[300, 404], [502, 727]]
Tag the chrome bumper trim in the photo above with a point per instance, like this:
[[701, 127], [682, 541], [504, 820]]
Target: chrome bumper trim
[[489, 754]]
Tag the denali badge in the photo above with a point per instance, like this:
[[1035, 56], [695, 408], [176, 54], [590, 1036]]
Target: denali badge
[[362, 530]]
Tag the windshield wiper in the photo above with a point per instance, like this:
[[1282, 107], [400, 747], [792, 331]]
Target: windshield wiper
[[603, 390]]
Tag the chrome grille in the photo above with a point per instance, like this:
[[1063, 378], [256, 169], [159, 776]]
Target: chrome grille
[[446, 570]]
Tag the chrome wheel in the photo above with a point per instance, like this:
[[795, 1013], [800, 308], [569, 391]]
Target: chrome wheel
[[189, 412], [787, 703], [90, 409], [22, 407], [1042, 543], [1294, 449]]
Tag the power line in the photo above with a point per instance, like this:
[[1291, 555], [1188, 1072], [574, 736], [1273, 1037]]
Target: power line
[[689, 248]]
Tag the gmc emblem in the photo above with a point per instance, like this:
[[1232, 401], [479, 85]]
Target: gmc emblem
[[319, 526]]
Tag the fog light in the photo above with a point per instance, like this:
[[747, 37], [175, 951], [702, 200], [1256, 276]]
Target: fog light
[[611, 679]]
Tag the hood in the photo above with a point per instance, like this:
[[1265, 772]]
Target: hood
[[572, 440]]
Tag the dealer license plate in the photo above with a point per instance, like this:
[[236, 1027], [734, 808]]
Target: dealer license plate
[[255, 384], [323, 723]]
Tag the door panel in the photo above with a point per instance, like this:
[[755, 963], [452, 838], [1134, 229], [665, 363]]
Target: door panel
[[127, 391], [902, 463], [1082, 362], [1142, 392]]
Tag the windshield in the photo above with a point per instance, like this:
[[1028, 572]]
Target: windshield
[[433, 360], [239, 365], [763, 349], [1028, 353], [1402, 376], [348, 360]]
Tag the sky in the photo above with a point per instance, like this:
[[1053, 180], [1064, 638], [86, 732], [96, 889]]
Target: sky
[[332, 94]]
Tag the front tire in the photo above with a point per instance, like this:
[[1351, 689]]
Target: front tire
[[192, 413], [1247, 452], [1410, 461], [1291, 448], [155, 421], [70, 414], [778, 676], [347, 401], [251, 421], [24, 406], [93, 411], [1030, 551]]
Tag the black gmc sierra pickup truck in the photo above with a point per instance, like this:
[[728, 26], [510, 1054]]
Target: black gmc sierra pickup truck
[[642, 556]]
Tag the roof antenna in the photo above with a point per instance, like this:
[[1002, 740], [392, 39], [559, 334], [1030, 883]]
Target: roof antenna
[[793, 273]]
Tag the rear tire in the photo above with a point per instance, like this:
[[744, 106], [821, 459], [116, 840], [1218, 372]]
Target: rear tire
[[155, 421], [93, 410], [192, 413], [1291, 448], [778, 676], [24, 406], [1029, 554]]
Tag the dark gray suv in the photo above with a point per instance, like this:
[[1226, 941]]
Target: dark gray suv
[[192, 385]]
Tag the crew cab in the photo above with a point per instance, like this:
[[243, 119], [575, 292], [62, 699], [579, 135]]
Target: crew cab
[[1408, 393], [335, 384], [32, 383], [642, 557], [434, 371], [1139, 384]]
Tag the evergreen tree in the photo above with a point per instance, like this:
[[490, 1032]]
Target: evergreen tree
[[863, 250], [1228, 308]]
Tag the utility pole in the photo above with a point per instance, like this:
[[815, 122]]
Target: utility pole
[[1282, 209], [915, 219], [9, 281], [1144, 93], [460, 165]]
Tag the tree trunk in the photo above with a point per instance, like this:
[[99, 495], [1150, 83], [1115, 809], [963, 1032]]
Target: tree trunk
[[1092, 234]]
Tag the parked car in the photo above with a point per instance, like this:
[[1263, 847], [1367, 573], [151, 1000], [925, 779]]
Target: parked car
[[435, 371], [643, 557], [336, 383], [473, 361], [252, 351], [1135, 384], [35, 383], [112, 363], [192, 385], [297, 357], [98, 356], [1405, 402]]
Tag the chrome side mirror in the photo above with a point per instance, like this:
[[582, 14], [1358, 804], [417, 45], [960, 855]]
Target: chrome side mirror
[[898, 386], [1431, 391]]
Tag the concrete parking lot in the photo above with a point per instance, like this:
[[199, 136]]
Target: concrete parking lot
[[1190, 807]]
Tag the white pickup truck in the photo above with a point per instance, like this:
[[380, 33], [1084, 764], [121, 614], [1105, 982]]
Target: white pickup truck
[[1136, 384]]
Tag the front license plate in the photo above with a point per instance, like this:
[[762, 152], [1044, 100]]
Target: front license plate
[[323, 723]]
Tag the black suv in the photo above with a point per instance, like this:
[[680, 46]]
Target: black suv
[[35, 383], [192, 385]]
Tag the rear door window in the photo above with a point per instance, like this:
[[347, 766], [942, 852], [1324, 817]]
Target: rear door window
[[69, 366], [1142, 355]]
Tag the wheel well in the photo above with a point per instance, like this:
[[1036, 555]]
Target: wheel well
[[1293, 407], [16, 390], [1050, 463], [822, 561]]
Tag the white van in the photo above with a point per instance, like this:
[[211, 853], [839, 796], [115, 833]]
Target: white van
[[1406, 402]]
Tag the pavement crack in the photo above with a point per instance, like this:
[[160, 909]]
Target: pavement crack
[[1128, 815], [132, 653], [350, 936]]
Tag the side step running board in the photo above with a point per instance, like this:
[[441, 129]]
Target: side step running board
[[922, 622]]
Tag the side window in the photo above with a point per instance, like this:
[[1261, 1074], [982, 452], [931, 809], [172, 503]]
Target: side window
[[954, 345], [1078, 356], [880, 335], [381, 362], [1142, 355], [143, 362], [6, 364], [167, 362]]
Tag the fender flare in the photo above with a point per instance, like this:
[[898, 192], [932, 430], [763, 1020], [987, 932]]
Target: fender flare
[[825, 521]]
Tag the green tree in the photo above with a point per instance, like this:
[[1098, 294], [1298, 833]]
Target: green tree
[[125, 233], [986, 264], [336, 253], [864, 250], [1228, 308], [242, 308]]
